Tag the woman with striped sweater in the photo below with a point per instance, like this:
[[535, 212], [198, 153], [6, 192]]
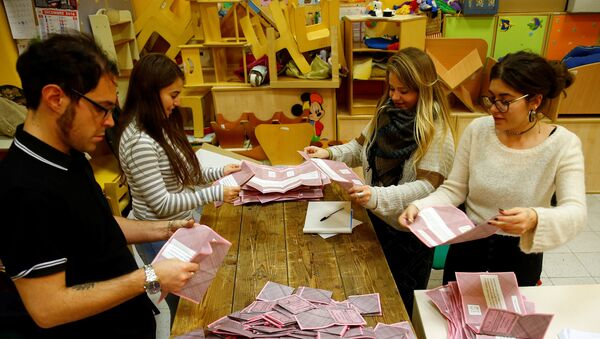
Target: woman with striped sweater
[[162, 171]]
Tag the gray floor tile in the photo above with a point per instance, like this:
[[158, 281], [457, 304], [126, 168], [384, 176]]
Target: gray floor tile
[[591, 262], [436, 275], [563, 265], [573, 281], [597, 279], [433, 283], [560, 249], [546, 281], [585, 242]]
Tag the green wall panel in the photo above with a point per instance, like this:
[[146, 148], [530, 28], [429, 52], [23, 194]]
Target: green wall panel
[[481, 27], [520, 32]]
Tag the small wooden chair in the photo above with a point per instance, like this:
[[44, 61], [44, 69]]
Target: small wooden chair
[[254, 121], [281, 142], [106, 172], [158, 16], [230, 134], [314, 36]]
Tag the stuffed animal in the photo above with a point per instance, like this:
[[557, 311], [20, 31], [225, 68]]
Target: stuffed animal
[[428, 6]]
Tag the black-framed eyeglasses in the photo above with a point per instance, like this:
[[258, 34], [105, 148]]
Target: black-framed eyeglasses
[[103, 109], [501, 105]]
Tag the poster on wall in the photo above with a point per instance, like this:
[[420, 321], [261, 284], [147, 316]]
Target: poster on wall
[[21, 19], [53, 20]]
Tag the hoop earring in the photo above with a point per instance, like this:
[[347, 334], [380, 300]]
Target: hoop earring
[[532, 115]]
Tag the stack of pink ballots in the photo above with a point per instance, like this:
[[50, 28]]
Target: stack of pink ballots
[[263, 184], [280, 311], [199, 244], [486, 305]]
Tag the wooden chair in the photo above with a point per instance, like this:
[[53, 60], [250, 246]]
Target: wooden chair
[[281, 142], [106, 172], [314, 36], [286, 40], [254, 121], [255, 35], [175, 27], [230, 134], [284, 119]]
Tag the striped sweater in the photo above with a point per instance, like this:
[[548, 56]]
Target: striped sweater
[[156, 193]]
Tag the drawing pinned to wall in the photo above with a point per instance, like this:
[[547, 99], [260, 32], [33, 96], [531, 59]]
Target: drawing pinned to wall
[[312, 107], [505, 25], [534, 24]]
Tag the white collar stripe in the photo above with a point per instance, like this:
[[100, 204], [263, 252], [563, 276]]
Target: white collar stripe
[[37, 156], [39, 267]]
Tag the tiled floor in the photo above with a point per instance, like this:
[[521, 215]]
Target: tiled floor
[[575, 263]]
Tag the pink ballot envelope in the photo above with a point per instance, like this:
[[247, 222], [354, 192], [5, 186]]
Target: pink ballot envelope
[[199, 244], [482, 291], [440, 225]]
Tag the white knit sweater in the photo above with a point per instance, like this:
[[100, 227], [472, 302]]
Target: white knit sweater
[[488, 175], [388, 202], [155, 190]]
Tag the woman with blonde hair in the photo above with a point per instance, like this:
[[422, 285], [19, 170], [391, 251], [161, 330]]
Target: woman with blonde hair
[[405, 151]]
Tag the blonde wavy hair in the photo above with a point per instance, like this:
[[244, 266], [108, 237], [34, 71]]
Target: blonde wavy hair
[[416, 71]]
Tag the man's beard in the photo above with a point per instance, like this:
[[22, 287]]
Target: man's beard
[[65, 122]]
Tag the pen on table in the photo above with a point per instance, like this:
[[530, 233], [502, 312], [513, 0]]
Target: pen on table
[[332, 213]]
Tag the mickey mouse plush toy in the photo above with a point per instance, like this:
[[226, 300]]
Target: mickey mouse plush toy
[[312, 106]]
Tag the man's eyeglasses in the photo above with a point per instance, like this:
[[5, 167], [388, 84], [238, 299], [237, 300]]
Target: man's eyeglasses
[[501, 105], [103, 109]]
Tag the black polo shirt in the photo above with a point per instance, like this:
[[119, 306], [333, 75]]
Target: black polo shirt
[[55, 218]]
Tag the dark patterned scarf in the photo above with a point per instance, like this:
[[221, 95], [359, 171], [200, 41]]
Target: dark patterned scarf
[[394, 142]]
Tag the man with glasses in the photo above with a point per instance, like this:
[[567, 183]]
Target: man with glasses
[[72, 275]]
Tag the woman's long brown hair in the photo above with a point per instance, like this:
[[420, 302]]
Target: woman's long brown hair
[[143, 105]]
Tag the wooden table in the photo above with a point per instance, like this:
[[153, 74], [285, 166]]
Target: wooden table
[[268, 245]]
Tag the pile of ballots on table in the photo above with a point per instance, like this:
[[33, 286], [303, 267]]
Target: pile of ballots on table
[[263, 183], [281, 311], [488, 305]]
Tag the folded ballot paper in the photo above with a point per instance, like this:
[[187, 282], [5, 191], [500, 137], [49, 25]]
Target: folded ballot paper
[[486, 305], [330, 217], [441, 225], [199, 244], [281, 311]]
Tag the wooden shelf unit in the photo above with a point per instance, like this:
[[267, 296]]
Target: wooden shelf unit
[[410, 30], [117, 38]]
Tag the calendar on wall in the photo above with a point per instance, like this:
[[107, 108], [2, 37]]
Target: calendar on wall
[[21, 19], [52, 20]]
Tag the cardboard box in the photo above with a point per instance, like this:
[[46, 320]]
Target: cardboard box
[[459, 64], [583, 6], [531, 6]]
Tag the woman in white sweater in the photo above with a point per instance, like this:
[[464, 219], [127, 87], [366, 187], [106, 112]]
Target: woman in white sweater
[[406, 151], [164, 176], [506, 170]]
